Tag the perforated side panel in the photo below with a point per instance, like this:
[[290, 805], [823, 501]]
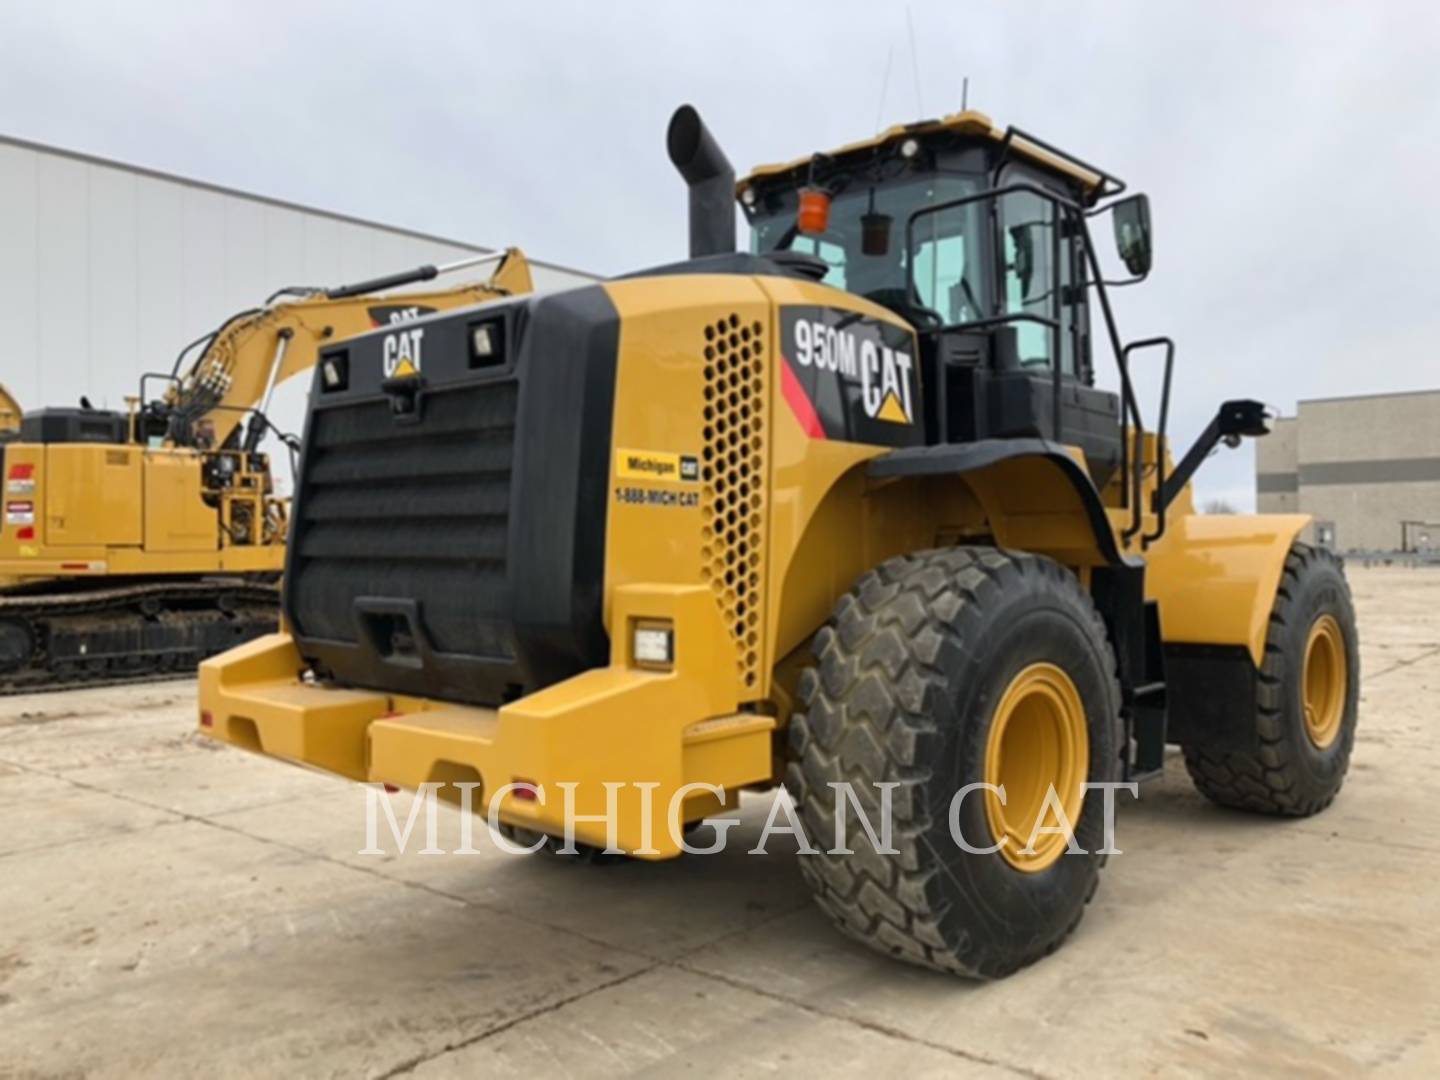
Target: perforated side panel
[[734, 469]]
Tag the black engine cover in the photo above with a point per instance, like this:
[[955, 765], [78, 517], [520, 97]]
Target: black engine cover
[[449, 526]]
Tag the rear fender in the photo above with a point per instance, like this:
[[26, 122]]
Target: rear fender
[[1037, 496]]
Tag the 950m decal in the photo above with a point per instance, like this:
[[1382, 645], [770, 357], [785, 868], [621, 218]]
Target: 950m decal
[[849, 376]]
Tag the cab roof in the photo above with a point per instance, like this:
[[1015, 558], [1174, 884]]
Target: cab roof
[[1096, 183]]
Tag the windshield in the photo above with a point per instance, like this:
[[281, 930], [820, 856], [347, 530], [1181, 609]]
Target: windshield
[[947, 258]]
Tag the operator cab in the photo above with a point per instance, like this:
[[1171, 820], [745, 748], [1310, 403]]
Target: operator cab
[[976, 236]]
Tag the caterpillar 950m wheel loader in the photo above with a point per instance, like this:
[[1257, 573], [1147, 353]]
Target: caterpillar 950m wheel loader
[[849, 508], [135, 544]]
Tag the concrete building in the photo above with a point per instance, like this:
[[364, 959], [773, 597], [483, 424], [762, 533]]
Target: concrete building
[[1367, 468], [107, 269]]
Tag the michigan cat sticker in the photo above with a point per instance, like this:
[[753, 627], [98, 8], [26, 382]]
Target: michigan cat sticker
[[850, 377], [656, 465]]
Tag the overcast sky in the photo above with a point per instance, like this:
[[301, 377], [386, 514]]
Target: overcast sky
[[1291, 151]]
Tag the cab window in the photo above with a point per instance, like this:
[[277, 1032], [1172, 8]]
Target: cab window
[[947, 244], [948, 263]]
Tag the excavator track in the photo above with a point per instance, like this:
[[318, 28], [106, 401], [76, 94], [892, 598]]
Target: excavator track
[[126, 633]]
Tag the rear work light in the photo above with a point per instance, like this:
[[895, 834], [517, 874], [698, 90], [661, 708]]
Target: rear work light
[[652, 644], [335, 371], [487, 343]]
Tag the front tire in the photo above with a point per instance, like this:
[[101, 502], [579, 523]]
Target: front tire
[[940, 670], [1307, 699]]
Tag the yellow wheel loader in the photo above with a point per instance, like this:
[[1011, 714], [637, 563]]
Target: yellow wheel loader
[[847, 513], [135, 544]]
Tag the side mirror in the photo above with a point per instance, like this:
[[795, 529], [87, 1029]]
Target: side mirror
[[1132, 233]]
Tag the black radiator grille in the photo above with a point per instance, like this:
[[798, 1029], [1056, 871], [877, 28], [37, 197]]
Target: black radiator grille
[[415, 510]]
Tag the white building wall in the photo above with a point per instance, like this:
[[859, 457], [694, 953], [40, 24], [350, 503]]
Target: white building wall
[[1368, 463], [106, 271], [1277, 477], [1360, 466]]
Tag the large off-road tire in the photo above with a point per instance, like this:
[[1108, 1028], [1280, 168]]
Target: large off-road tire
[[1307, 699], [921, 669]]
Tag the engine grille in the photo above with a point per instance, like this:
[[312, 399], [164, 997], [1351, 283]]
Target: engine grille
[[417, 510], [733, 498]]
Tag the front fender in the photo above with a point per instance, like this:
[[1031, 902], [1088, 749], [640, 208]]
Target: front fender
[[1215, 575]]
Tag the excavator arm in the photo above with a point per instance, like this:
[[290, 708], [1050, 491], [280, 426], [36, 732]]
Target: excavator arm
[[251, 354]]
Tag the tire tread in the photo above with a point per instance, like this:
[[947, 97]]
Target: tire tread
[[1263, 782], [891, 632]]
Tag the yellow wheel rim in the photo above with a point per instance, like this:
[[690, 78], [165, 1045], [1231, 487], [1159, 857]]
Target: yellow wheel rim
[[1323, 682], [1037, 740]]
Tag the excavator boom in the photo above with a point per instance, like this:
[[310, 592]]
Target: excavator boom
[[253, 353]]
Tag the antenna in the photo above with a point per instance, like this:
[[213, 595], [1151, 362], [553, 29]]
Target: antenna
[[914, 64], [884, 86], [965, 93]]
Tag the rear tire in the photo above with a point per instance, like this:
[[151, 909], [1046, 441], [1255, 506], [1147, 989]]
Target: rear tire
[[915, 667], [1311, 669]]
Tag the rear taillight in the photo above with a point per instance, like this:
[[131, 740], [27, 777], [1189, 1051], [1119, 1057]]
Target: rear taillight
[[20, 479], [207, 719]]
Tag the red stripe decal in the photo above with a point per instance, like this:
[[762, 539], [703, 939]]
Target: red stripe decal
[[799, 404]]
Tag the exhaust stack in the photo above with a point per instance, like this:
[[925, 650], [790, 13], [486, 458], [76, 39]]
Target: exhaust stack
[[707, 172]]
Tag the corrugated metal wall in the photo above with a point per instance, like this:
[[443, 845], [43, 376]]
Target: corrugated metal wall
[[106, 271]]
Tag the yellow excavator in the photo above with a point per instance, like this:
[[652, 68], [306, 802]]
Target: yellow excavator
[[134, 544]]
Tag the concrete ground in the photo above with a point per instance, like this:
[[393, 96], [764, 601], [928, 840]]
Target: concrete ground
[[168, 906]]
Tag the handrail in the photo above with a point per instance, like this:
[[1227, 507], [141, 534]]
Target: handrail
[[1136, 477]]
